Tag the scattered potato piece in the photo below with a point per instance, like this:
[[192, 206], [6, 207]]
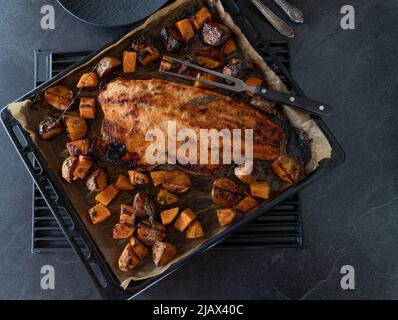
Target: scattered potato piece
[[203, 15], [166, 198], [226, 216], [288, 169], [144, 206], [157, 177], [163, 253], [78, 147], [226, 192], [139, 249], [98, 181], [205, 76], [172, 39], [122, 231], [209, 57], [186, 30], [123, 183], [59, 97], [247, 204], [148, 55], [76, 127], [229, 48], [88, 80], [107, 195], [99, 213], [49, 128], [176, 181], [127, 215], [260, 189], [195, 230], [185, 219], [150, 232], [87, 108], [128, 259], [215, 34], [237, 68], [68, 168], [82, 168], [168, 216], [141, 42], [129, 61], [107, 65], [138, 178], [241, 174]]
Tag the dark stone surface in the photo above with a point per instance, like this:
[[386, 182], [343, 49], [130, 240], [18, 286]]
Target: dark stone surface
[[350, 215]]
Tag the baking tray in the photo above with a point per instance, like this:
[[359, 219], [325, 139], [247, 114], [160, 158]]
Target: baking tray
[[74, 229]]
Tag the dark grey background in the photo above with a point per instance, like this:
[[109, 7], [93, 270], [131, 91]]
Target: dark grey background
[[350, 215]]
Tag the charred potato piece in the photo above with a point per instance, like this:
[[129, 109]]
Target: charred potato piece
[[82, 168], [288, 169], [107, 195], [122, 231], [50, 128], [139, 249], [195, 231], [127, 215], [202, 16], [226, 216], [176, 181], [157, 177], [241, 174], [68, 168], [172, 40], [98, 181], [128, 259], [205, 76], [246, 204], [166, 198], [186, 30], [149, 233], [79, 147], [168, 216], [184, 219], [123, 183], [229, 48], [141, 42], [226, 192], [148, 55], [237, 68], [87, 108], [107, 65], [215, 34], [144, 206], [138, 178], [163, 253], [254, 82], [129, 61], [99, 213], [263, 105], [168, 65], [209, 57], [59, 97], [260, 189], [76, 127], [88, 80]]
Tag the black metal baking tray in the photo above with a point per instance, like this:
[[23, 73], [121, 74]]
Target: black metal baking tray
[[74, 229], [279, 227]]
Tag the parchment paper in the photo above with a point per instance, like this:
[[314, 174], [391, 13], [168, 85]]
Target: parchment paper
[[29, 115]]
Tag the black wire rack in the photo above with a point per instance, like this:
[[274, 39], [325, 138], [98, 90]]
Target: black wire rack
[[282, 226]]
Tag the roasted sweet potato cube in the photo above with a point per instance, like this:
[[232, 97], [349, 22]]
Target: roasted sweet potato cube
[[68, 168], [226, 192], [168, 216], [82, 168], [241, 172], [185, 219], [144, 206], [260, 189], [76, 127], [288, 169], [172, 39], [138, 178], [205, 76], [148, 55], [59, 97], [186, 30], [163, 253], [229, 48], [128, 259], [99, 213], [166, 198], [88, 80], [157, 177], [176, 181], [123, 183], [129, 61], [107, 65], [215, 34], [254, 82], [246, 204], [79, 147], [168, 65], [237, 68], [49, 128], [98, 181], [87, 108], [202, 16], [150, 232], [209, 57], [107, 195], [141, 42], [195, 230], [139, 249], [127, 215], [226, 216], [122, 231]]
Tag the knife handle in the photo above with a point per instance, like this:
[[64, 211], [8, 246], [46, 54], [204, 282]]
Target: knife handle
[[292, 12], [311, 106]]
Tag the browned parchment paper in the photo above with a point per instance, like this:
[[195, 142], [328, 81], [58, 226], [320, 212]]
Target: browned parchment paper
[[29, 114]]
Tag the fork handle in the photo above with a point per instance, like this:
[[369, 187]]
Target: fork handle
[[311, 106]]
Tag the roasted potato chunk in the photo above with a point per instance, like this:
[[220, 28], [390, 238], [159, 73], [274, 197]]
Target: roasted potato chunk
[[98, 181], [107, 195], [99, 213], [129, 61], [68, 168], [166, 198], [215, 34], [246, 204], [202, 16], [127, 215], [237, 68], [176, 181], [82, 168], [138, 178], [168, 65], [76, 127], [163, 253], [184, 219], [205, 76], [122, 231], [148, 55], [226, 192], [157, 177], [107, 65], [260, 189], [150, 232], [241, 174], [128, 259], [87, 108], [79, 147], [226, 216], [59, 97], [139, 249], [195, 230], [229, 48], [288, 169], [141, 42], [123, 183], [144, 206], [186, 30], [168, 216], [49, 128], [172, 40], [209, 57], [88, 80]]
